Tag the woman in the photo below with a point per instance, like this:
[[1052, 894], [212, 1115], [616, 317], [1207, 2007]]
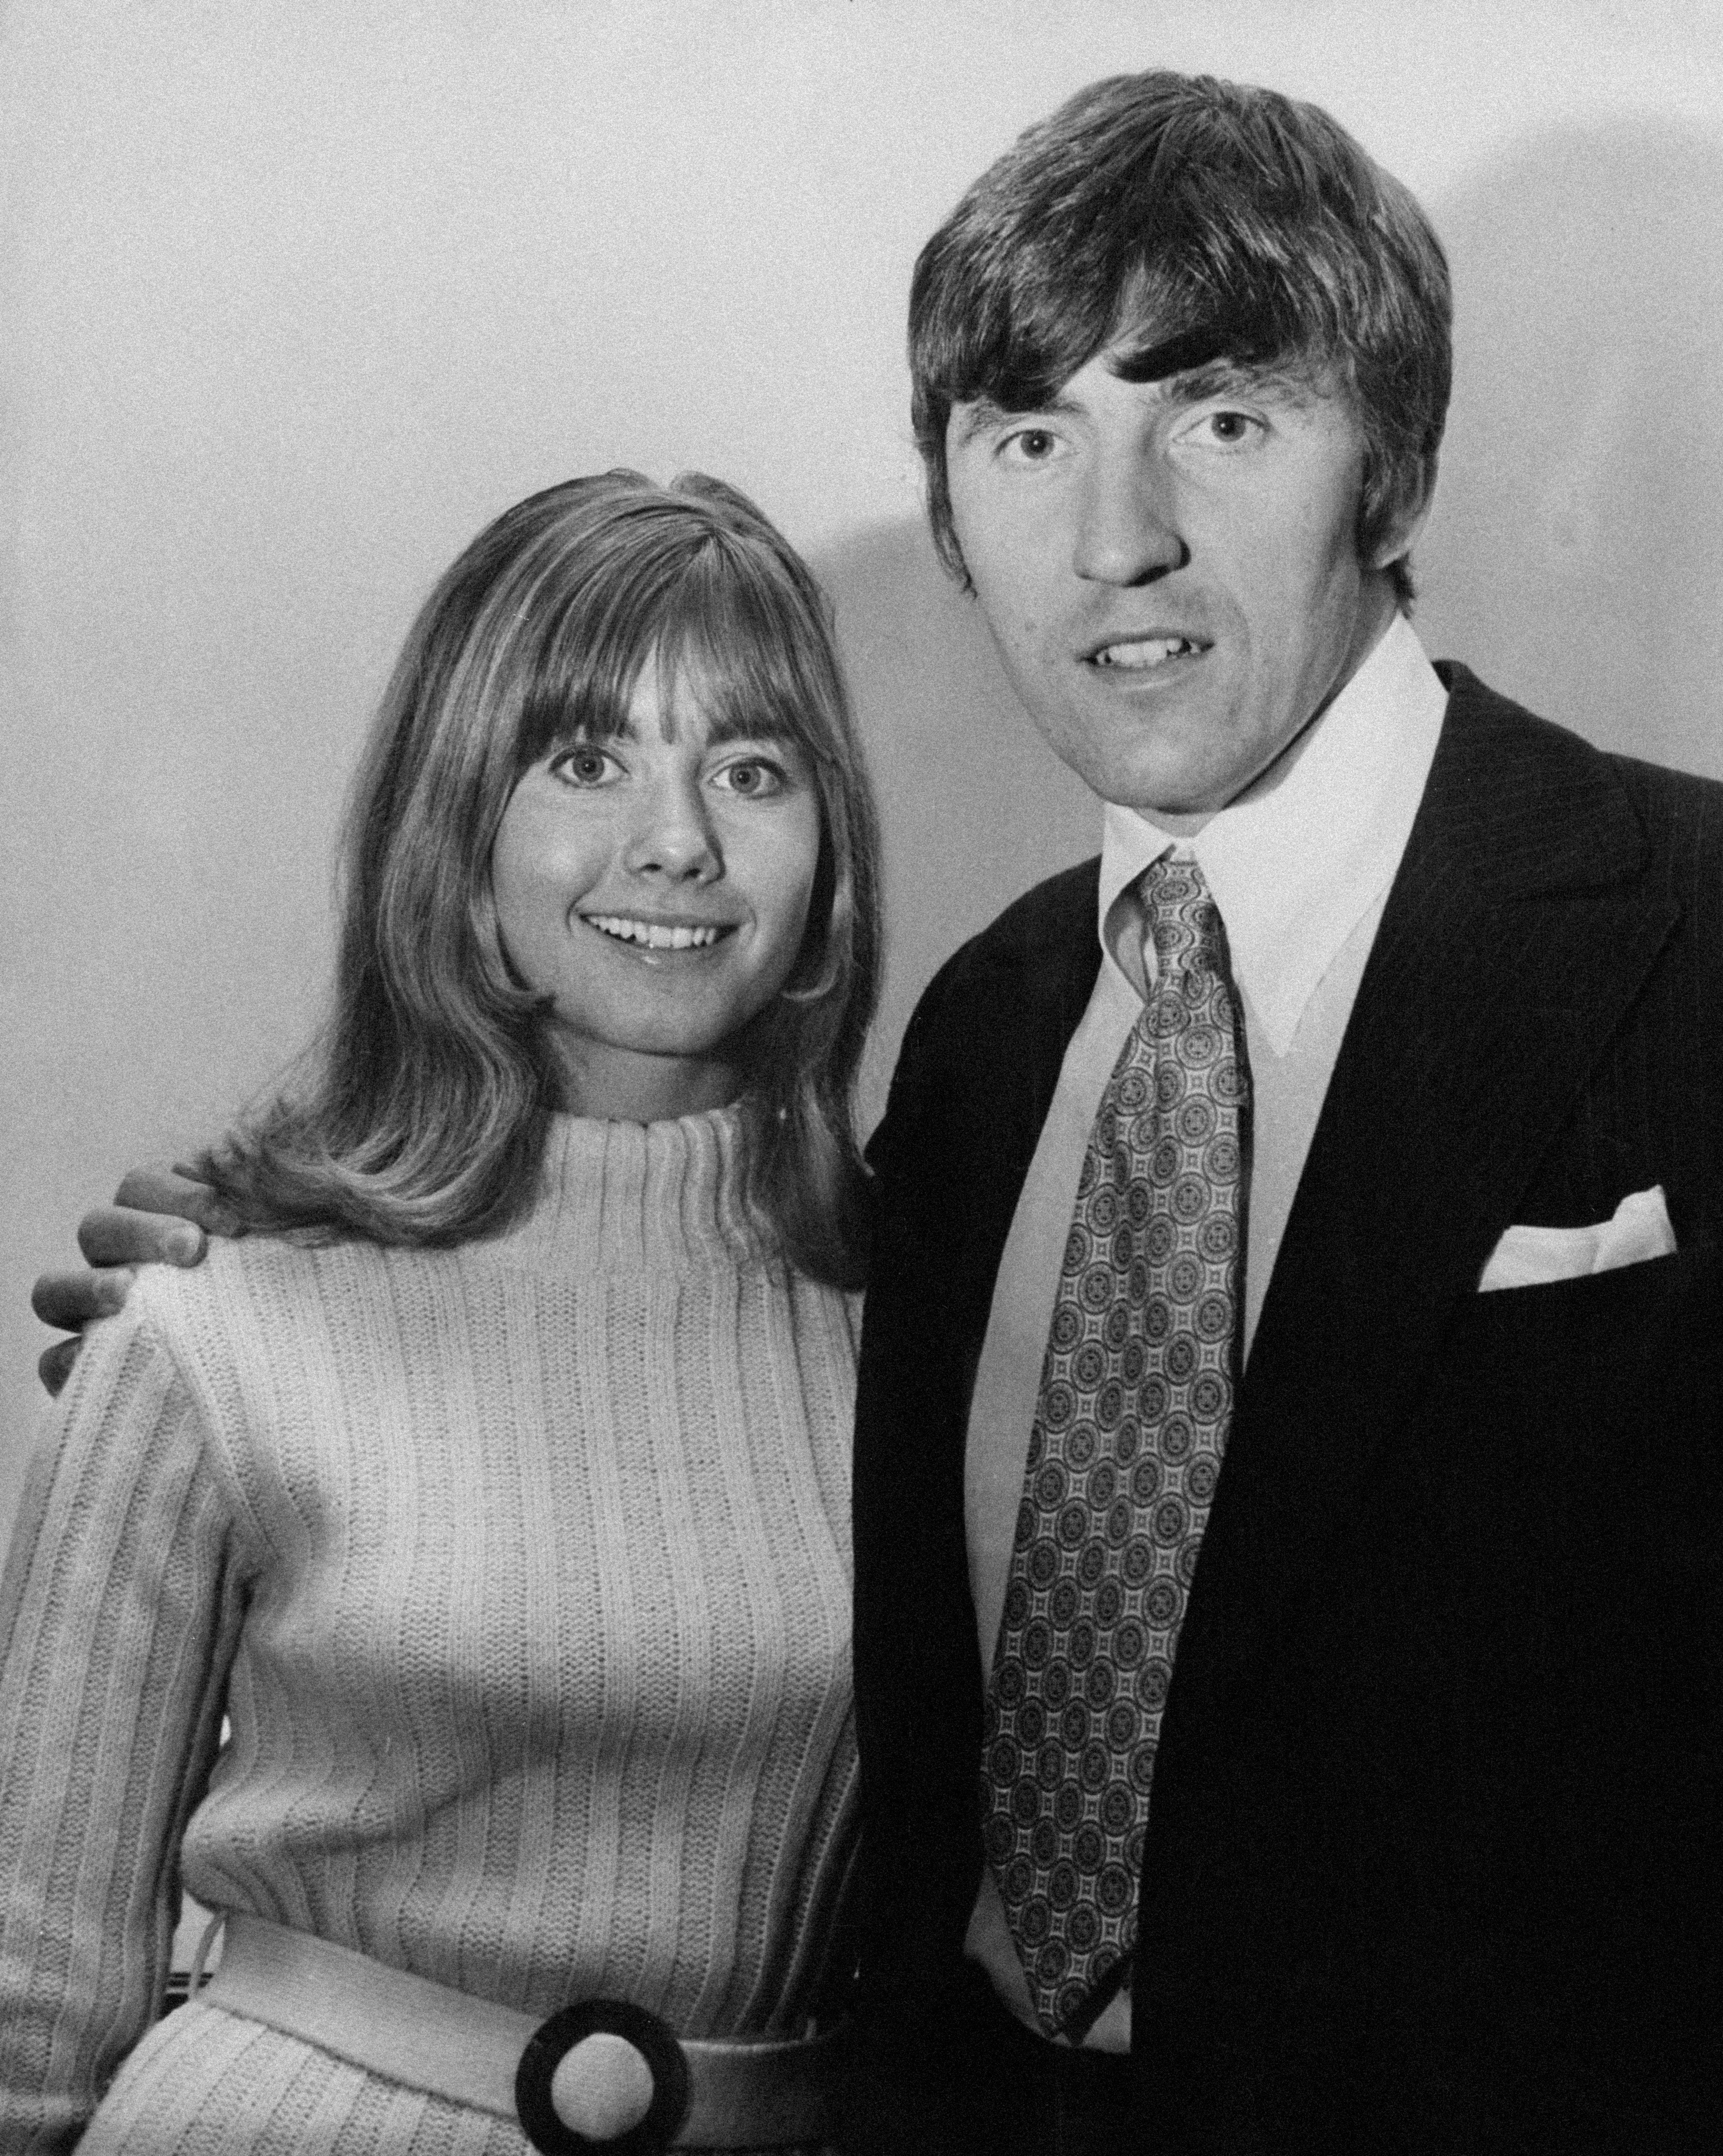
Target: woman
[[494, 1486]]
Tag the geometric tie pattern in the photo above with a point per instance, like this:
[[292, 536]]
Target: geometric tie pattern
[[1135, 1399]]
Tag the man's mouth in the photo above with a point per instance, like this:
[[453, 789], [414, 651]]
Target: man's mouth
[[656, 935], [1140, 655]]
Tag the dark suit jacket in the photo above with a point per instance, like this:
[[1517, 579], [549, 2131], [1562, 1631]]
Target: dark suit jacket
[[1433, 1856]]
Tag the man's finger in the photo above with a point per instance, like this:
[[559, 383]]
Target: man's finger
[[159, 1189], [54, 1365], [71, 1300], [120, 1235]]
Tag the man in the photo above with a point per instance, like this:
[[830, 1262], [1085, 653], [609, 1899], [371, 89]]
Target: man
[[1364, 1793], [1287, 1498]]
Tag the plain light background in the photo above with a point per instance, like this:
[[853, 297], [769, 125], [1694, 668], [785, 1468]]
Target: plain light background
[[294, 299]]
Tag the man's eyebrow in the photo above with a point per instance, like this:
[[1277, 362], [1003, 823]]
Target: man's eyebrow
[[1229, 377], [978, 415]]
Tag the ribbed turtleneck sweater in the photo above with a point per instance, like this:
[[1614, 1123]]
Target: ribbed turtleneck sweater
[[521, 1571]]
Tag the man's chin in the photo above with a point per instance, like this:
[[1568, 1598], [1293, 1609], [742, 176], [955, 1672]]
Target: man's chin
[[1167, 794], [1179, 786], [1158, 775]]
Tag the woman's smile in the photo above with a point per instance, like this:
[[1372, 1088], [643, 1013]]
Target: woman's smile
[[656, 937]]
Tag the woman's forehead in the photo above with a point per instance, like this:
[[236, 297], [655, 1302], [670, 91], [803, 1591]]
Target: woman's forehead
[[690, 698]]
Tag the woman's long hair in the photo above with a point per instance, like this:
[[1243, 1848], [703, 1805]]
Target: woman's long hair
[[419, 1116]]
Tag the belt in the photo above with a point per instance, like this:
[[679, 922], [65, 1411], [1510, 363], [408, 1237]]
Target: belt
[[602, 2074]]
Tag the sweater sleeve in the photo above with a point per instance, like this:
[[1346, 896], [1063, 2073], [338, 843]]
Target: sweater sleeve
[[119, 1613]]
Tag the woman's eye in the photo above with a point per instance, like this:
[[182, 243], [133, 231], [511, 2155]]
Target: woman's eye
[[584, 765], [753, 778]]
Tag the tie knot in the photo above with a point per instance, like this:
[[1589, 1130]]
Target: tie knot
[[1183, 922]]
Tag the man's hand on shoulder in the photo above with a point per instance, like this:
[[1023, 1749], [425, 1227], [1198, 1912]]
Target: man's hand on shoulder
[[159, 1216]]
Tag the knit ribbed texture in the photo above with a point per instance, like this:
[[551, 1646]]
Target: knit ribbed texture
[[522, 1573]]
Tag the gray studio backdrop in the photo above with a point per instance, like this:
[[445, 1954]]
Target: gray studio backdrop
[[294, 299]]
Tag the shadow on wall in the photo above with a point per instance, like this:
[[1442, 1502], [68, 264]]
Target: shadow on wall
[[1576, 556], [975, 807]]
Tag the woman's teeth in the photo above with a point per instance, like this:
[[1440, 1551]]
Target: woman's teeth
[[654, 934], [1151, 651]]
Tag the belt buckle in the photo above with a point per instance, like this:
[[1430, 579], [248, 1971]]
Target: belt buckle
[[566, 2103]]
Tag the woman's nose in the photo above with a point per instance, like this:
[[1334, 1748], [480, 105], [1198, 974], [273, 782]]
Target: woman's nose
[[673, 835], [1127, 531]]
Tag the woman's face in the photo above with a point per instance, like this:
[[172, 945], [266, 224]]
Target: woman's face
[[656, 887]]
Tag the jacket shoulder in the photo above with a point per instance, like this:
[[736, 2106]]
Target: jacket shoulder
[[1047, 929], [989, 1031], [1555, 787], [1677, 807]]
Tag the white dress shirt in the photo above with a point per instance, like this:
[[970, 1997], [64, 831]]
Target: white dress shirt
[[1299, 867]]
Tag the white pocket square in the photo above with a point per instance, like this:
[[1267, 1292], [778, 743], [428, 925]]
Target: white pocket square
[[1530, 1257]]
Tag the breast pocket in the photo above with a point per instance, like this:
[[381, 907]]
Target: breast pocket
[[1593, 1407]]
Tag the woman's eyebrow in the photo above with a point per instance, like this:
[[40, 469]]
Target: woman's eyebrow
[[573, 731], [732, 725]]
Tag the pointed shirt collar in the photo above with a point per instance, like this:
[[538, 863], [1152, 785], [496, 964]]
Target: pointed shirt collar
[[1299, 859]]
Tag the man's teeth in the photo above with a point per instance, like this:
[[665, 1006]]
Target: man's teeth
[[1149, 651], [655, 934]]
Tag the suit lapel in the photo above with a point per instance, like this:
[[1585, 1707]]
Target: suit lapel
[[1515, 936], [1028, 1001]]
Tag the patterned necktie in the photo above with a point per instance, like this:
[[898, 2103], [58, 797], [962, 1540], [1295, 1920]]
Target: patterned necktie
[[1136, 1394]]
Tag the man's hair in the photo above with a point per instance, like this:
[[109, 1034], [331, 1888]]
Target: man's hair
[[1181, 219], [421, 1118]]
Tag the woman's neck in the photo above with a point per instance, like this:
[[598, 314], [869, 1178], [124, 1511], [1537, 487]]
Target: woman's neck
[[626, 1085]]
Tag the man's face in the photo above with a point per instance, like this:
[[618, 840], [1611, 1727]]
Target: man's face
[[1170, 572]]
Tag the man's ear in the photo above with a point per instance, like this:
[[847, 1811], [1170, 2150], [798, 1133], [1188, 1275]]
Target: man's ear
[[1406, 517]]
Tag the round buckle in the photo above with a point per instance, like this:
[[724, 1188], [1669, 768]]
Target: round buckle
[[629, 2083]]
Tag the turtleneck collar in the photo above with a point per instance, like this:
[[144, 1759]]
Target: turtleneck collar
[[628, 1198]]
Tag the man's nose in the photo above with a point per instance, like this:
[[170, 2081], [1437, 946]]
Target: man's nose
[[672, 834], [1127, 528]]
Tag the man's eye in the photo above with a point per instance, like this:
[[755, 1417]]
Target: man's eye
[[1032, 445], [1230, 427], [753, 778], [584, 765]]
